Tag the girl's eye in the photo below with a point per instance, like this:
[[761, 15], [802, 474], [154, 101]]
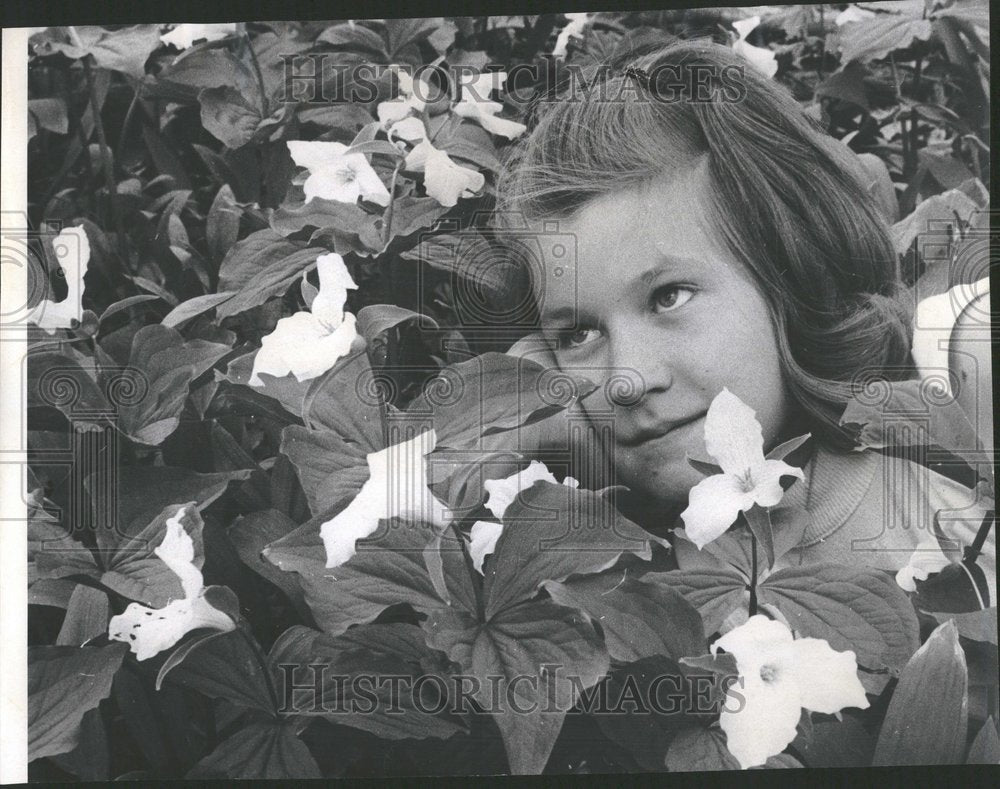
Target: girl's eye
[[670, 297], [574, 339]]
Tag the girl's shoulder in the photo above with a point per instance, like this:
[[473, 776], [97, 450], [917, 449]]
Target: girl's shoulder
[[876, 509]]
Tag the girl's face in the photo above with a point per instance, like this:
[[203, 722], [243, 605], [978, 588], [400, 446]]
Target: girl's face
[[654, 295]]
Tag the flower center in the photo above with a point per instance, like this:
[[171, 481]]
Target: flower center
[[746, 481], [768, 673]]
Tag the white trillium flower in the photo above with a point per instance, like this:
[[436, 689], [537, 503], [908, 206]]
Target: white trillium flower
[[410, 99], [307, 344], [927, 558], [781, 676], [484, 113], [396, 488], [409, 129], [761, 58], [72, 249], [934, 321], [148, 631], [577, 22], [444, 180], [483, 541], [734, 439], [501, 493], [853, 14], [337, 175], [184, 36], [481, 87]]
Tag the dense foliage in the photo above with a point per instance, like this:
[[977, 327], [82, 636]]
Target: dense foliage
[[153, 458]]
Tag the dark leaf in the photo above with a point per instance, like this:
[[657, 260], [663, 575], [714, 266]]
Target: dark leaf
[[927, 716], [259, 750], [64, 683]]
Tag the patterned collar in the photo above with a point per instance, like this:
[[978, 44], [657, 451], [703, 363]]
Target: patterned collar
[[834, 486]]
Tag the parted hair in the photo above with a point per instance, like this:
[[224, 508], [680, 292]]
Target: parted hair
[[788, 201]]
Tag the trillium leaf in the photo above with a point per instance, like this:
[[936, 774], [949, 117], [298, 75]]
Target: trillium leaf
[[375, 651], [267, 749], [875, 38], [330, 468], [518, 642], [491, 393], [985, 749], [63, 684], [638, 619], [144, 492], [853, 608], [715, 593], [346, 400], [251, 533], [228, 116], [387, 568], [194, 307], [974, 625], [554, 531], [377, 319], [927, 716], [261, 266], [225, 668], [287, 390], [908, 414], [86, 616]]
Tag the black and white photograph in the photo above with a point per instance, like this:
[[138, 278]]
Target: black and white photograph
[[566, 392]]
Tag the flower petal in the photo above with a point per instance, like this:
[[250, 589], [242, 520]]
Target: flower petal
[[358, 520], [761, 58], [501, 493], [177, 552], [483, 539], [148, 631], [746, 26], [484, 113], [733, 436], [755, 643], [396, 487], [713, 506], [393, 110], [926, 558], [72, 250], [316, 155], [370, 186], [766, 479], [828, 680], [409, 129], [760, 718], [933, 323], [334, 282], [446, 181], [482, 86], [300, 344], [184, 36]]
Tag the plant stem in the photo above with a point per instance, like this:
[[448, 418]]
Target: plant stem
[[973, 551], [753, 574], [265, 109], [392, 204], [109, 176], [259, 655], [120, 148]]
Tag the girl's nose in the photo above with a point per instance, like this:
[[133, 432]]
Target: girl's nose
[[639, 366]]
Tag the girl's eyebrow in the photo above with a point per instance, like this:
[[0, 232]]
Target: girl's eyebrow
[[669, 262]]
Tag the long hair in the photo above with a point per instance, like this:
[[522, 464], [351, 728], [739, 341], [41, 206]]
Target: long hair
[[787, 203]]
